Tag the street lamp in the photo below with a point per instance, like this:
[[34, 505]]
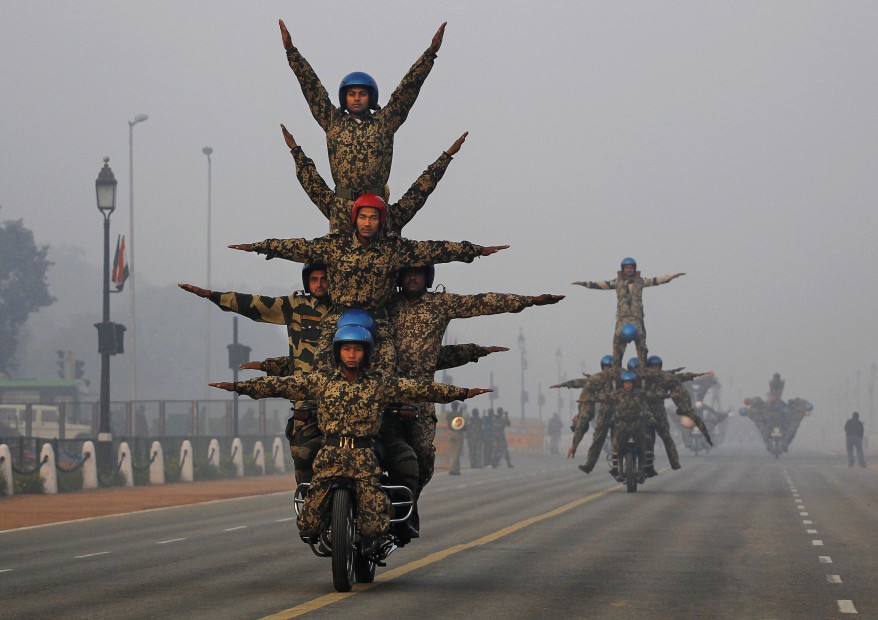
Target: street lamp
[[131, 266], [207, 151], [105, 187], [521, 348]]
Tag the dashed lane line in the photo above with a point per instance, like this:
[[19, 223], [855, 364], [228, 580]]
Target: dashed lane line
[[90, 555], [171, 540]]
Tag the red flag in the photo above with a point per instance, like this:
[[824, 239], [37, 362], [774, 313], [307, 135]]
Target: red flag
[[120, 265]]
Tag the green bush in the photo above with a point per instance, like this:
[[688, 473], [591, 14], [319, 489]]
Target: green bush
[[69, 481], [172, 469], [206, 471], [141, 478], [3, 485], [27, 484]]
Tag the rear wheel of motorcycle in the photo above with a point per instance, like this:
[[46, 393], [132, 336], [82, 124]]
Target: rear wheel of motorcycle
[[630, 472], [364, 569], [342, 540]]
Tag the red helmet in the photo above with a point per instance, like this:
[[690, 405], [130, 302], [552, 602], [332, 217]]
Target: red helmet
[[369, 200]]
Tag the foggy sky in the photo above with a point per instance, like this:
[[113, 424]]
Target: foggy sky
[[736, 142]]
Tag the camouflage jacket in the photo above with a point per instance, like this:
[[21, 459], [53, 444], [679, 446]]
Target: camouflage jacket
[[629, 406], [450, 356], [364, 276], [338, 210], [360, 150], [629, 293], [419, 324], [299, 311], [350, 408]]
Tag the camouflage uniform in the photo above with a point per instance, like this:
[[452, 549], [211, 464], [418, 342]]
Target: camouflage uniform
[[474, 440], [302, 313], [629, 309], [455, 441], [501, 447], [673, 382], [419, 326], [598, 385], [338, 209], [796, 411], [360, 149], [364, 276], [661, 385], [488, 438], [631, 418], [348, 409]]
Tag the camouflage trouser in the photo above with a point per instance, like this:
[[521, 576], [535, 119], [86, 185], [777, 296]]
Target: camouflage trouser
[[601, 428], [384, 354], [487, 450], [683, 401], [455, 448], [637, 427], [305, 441], [360, 464], [664, 431], [420, 433], [398, 458], [639, 342], [474, 445]]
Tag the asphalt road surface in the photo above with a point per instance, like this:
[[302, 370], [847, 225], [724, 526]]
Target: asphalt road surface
[[734, 534]]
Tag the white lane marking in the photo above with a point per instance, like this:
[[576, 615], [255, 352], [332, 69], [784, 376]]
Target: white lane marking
[[846, 607], [232, 529], [807, 522], [824, 559], [800, 507], [803, 514], [172, 540], [282, 520], [833, 578], [810, 531], [6, 570], [817, 543], [90, 555]]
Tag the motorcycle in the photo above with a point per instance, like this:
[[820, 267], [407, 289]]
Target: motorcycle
[[341, 540], [631, 465], [775, 445]]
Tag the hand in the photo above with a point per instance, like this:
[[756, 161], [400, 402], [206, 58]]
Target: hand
[[434, 45], [228, 387], [195, 290], [251, 366], [571, 452], [285, 35], [476, 391], [457, 144], [545, 299], [584, 283], [677, 275], [288, 137], [247, 247], [557, 385], [496, 349], [492, 249]]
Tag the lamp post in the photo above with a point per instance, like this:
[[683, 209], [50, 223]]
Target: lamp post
[[207, 151], [521, 348], [105, 187], [133, 368]]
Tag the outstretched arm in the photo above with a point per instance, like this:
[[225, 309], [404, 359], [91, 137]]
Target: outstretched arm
[[661, 279], [310, 180], [455, 355], [602, 284], [315, 94], [403, 98]]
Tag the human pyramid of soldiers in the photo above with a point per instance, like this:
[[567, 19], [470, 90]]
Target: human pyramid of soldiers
[[365, 334], [632, 399]]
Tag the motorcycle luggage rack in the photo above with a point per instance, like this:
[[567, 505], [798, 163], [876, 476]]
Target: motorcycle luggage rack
[[402, 500]]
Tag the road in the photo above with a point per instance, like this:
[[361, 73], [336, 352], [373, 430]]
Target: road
[[734, 534]]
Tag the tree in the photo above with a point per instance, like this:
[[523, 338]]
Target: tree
[[23, 286]]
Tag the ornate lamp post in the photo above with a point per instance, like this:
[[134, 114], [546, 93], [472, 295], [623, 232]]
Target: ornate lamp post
[[105, 187], [208, 151], [133, 370]]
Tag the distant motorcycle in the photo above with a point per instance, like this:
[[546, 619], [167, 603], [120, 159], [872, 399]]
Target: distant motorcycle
[[775, 444]]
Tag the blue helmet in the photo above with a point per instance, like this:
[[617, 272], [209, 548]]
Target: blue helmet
[[429, 275], [606, 361], [358, 317], [627, 376], [654, 360], [628, 261], [742, 411], [306, 274], [352, 334], [628, 332], [358, 78], [633, 363]]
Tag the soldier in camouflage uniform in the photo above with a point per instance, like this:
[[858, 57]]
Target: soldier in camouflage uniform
[[302, 312], [474, 440], [631, 418], [501, 446], [488, 438], [359, 141], [399, 214], [419, 320], [350, 398], [629, 309], [362, 268]]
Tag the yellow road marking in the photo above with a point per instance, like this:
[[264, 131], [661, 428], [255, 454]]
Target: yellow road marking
[[329, 599]]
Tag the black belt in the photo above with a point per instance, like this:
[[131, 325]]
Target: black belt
[[350, 442], [352, 194]]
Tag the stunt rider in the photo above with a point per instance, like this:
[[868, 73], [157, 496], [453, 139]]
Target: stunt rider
[[350, 398]]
